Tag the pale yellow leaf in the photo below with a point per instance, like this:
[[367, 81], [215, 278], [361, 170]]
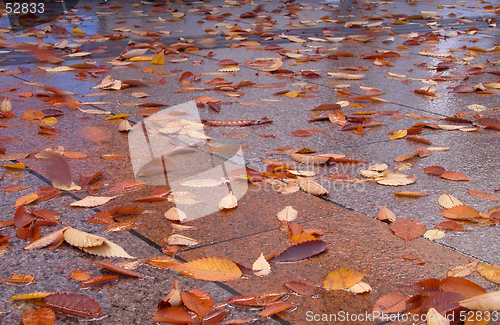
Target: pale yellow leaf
[[489, 301], [396, 181], [434, 234], [461, 271], [46, 240], [82, 239], [448, 201], [107, 249], [181, 240], [287, 214], [360, 287], [92, 201], [209, 182], [435, 318], [175, 214], [262, 266], [311, 187], [345, 75], [228, 202]]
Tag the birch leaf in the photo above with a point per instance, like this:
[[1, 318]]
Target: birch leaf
[[107, 249], [262, 266], [175, 214], [82, 239], [287, 214]]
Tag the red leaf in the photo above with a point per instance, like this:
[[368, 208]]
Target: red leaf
[[450, 225], [98, 280], [301, 251], [454, 176], [23, 217], [301, 288], [301, 133], [488, 123], [59, 168], [462, 286], [444, 302], [434, 170], [327, 106], [72, 304], [427, 287]]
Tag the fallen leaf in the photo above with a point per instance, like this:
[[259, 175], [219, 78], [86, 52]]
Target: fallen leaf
[[434, 234], [72, 304], [301, 288], [92, 201], [261, 266], [98, 280], [460, 212], [344, 75], [360, 288], [396, 181], [181, 240], [172, 315], [80, 238], [309, 159], [60, 170], [301, 251], [175, 214], [42, 316], [275, 308], [434, 170], [407, 229], [461, 271], [197, 301], [228, 202], [434, 317], [411, 194], [448, 201], [32, 295], [342, 278], [483, 195], [47, 240], [489, 272], [107, 249], [450, 225], [398, 134], [79, 275], [19, 278], [311, 187], [454, 176], [210, 269], [489, 301], [287, 214], [390, 303], [118, 269], [386, 215]]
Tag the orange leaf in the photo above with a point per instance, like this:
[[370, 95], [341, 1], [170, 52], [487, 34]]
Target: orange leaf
[[75, 155], [32, 114], [163, 262], [19, 278], [327, 106], [119, 269], [454, 176], [98, 280], [386, 215], [79, 275], [342, 278], [124, 186], [337, 117], [14, 188], [398, 134], [450, 225], [411, 193], [390, 303], [26, 199], [301, 288], [42, 316], [172, 315], [483, 195], [210, 269], [72, 304], [407, 229], [460, 212], [198, 301], [275, 308]]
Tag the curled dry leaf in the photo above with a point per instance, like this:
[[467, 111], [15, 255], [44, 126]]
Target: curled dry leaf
[[311, 187], [19, 278], [360, 287], [486, 302], [81, 239], [197, 301], [119, 269], [342, 278], [448, 201], [489, 272], [173, 298], [47, 240], [287, 214], [345, 75], [210, 269], [98, 280], [386, 215], [407, 229], [107, 249], [72, 304], [228, 202], [309, 159], [396, 181], [163, 262], [261, 266], [175, 214], [5, 106], [181, 240]]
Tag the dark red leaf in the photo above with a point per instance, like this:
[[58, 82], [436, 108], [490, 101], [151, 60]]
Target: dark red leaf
[[301, 251], [72, 304]]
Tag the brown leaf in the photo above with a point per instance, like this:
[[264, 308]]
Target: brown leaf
[[197, 301], [42, 316], [411, 194], [47, 240], [215, 316], [119, 269], [465, 287], [483, 195], [327, 106], [418, 138], [301, 251], [163, 262], [434, 170], [407, 229], [338, 118], [92, 201], [275, 308], [172, 315], [301, 288], [309, 159], [450, 225], [210, 269], [460, 212], [386, 215], [23, 217], [444, 302], [390, 303], [454, 176], [72, 304], [461, 271], [19, 278], [124, 186], [79, 275], [342, 278], [486, 302], [32, 114], [59, 168]]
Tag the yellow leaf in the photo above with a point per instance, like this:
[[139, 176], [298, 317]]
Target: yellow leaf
[[19, 278], [433, 234], [448, 201], [32, 295], [117, 116], [342, 278], [398, 134], [49, 121], [292, 94], [345, 75], [15, 166], [489, 272], [360, 287], [141, 58], [78, 31], [159, 58], [210, 269]]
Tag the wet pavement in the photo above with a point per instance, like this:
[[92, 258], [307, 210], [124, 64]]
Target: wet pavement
[[347, 214]]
